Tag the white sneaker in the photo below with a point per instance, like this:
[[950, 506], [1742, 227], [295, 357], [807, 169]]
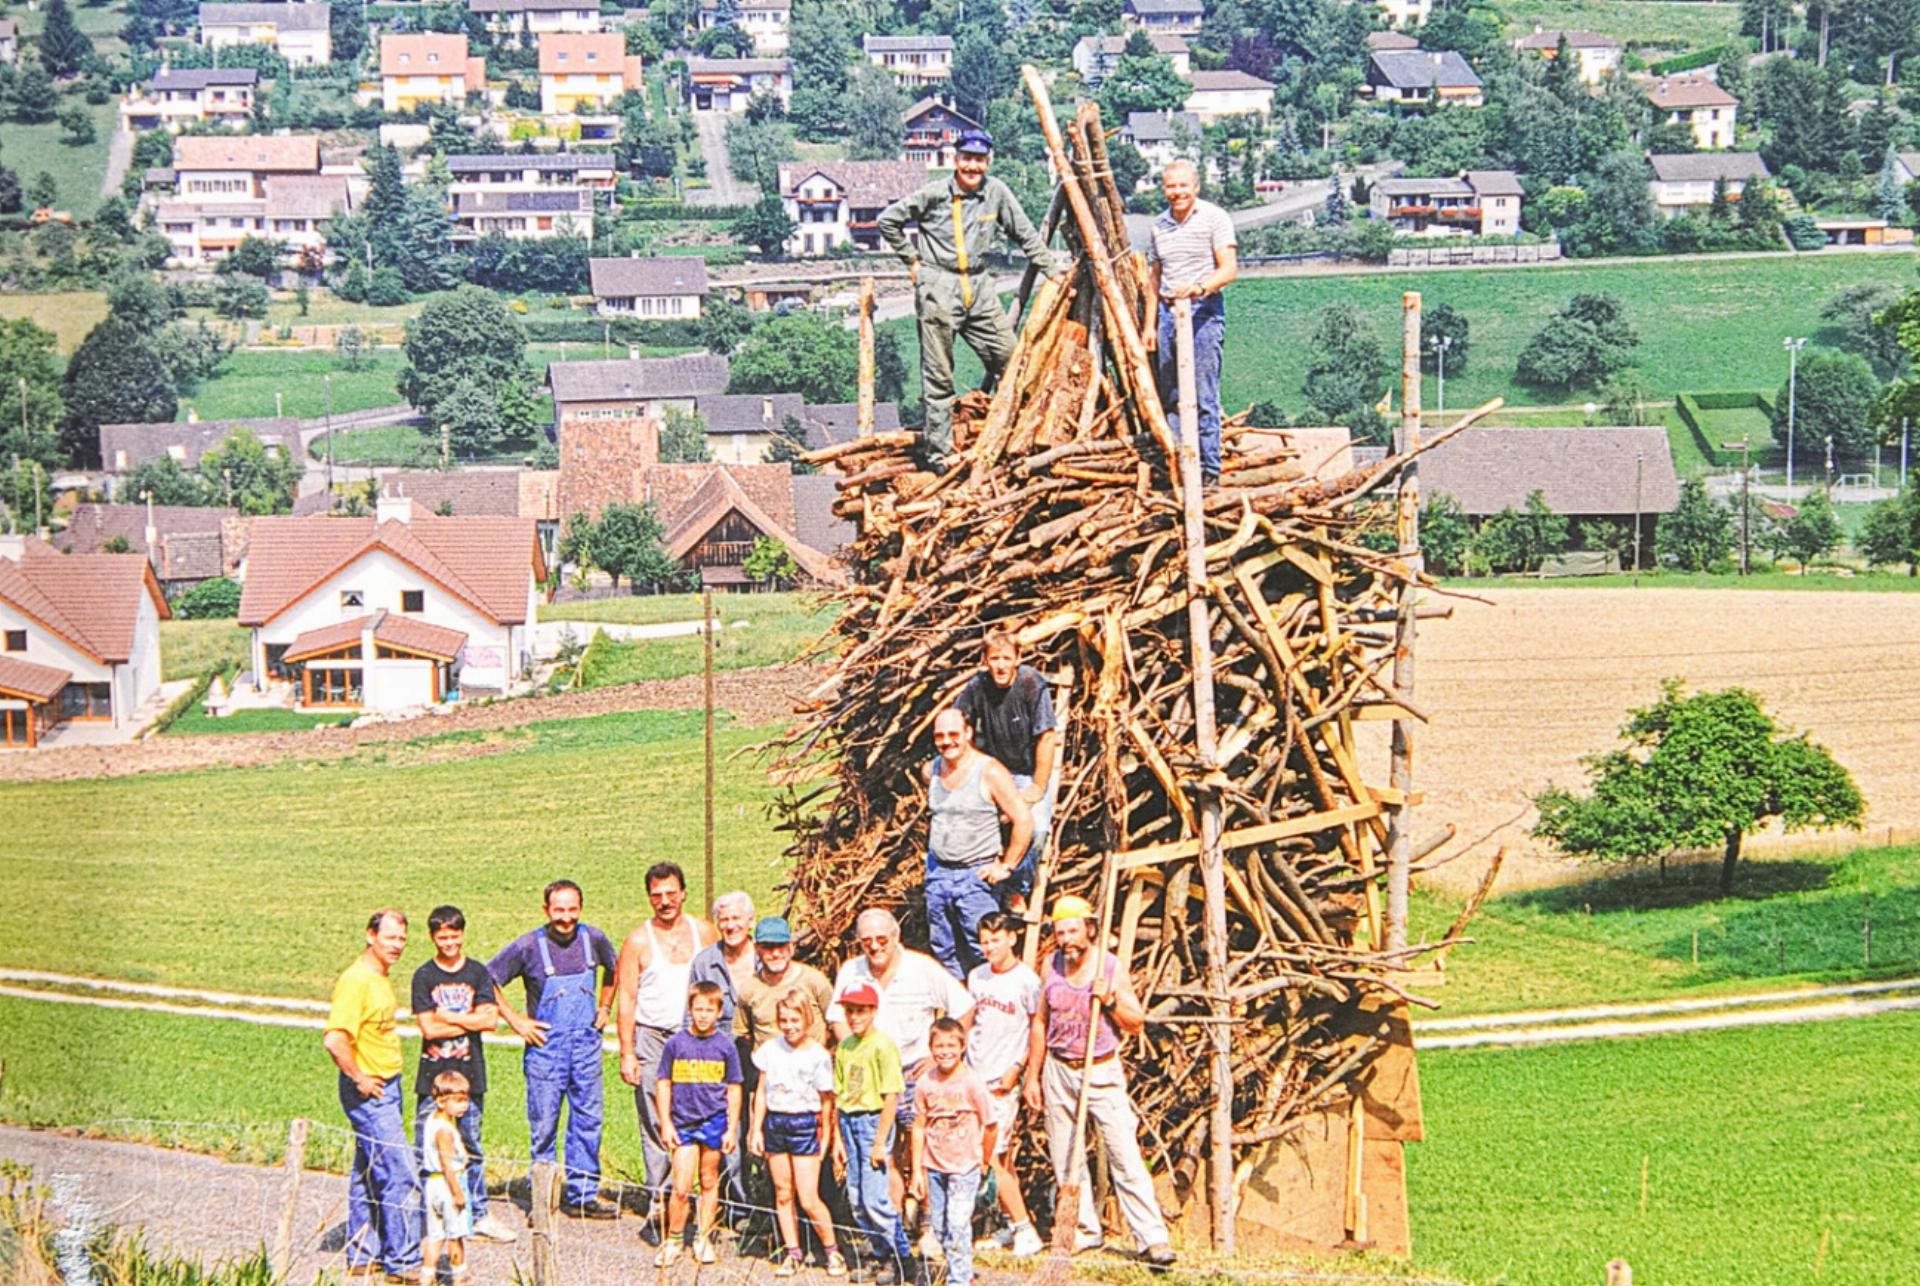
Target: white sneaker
[[668, 1253], [1083, 1240], [1000, 1239], [703, 1249], [930, 1247], [491, 1229], [1026, 1242]]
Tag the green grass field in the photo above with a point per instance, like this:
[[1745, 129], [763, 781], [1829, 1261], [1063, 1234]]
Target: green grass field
[[1860, 582], [188, 649], [1660, 23], [196, 722], [388, 444], [248, 381], [30, 150], [69, 314], [755, 630]]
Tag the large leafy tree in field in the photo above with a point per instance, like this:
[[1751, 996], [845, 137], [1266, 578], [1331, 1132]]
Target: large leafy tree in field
[[464, 351], [1891, 534], [116, 376], [1581, 346], [626, 540], [1698, 772], [803, 353], [1697, 534], [260, 478], [1348, 371], [1834, 395]]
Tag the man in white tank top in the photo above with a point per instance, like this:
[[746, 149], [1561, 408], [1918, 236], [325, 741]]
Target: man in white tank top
[[968, 794], [652, 976]]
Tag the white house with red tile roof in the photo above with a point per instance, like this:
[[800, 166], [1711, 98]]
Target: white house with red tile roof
[[427, 67], [1707, 110], [397, 610], [79, 638]]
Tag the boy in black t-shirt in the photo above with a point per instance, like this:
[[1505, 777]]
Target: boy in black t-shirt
[[453, 1004]]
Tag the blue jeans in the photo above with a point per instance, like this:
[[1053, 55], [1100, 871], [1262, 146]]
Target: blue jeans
[[957, 899], [470, 1135], [384, 1211], [1209, 334], [867, 1189], [950, 1199], [567, 1069]]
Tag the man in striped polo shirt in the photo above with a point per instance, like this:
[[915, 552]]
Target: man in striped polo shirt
[[1194, 255]]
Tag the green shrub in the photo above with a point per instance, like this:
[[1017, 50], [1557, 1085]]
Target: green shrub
[[209, 600]]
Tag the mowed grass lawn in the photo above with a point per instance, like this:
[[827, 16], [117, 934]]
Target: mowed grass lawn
[[1643, 23], [753, 630], [31, 150], [247, 382], [259, 880], [69, 314]]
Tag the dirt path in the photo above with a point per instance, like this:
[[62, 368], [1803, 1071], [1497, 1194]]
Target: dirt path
[[119, 156], [753, 697]]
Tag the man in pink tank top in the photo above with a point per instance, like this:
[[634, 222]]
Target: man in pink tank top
[[1056, 1057], [652, 976]]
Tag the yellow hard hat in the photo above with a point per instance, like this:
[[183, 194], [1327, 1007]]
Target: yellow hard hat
[[1071, 908]]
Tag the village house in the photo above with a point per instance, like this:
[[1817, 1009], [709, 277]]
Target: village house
[[391, 611], [79, 639], [658, 288], [1390, 40], [623, 391], [227, 188], [585, 73], [741, 426], [125, 447], [1406, 13], [1479, 203], [1683, 182], [1095, 57], [1440, 77], [917, 61], [536, 17], [299, 33], [530, 172], [1696, 102], [174, 99], [727, 84], [1164, 17], [839, 202], [768, 23], [9, 41], [185, 544], [1219, 94], [932, 127], [426, 67], [523, 216], [1162, 137], [1595, 55]]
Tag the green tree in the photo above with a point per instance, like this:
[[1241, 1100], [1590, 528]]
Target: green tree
[[802, 352], [983, 70], [238, 297], [253, 257], [77, 121], [769, 561], [28, 353], [1580, 346], [1347, 372], [471, 416], [116, 376], [629, 541], [216, 599], [1889, 193], [468, 336], [1446, 534], [788, 445], [1812, 532], [889, 367], [876, 111], [683, 437], [766, 226], [725, 321], [1519, 541], [259, 478], [169, 484], [1696, 772], [755, 151], [821, 45], [1445, 324], [725, 40], [1142, 83], [1834, 396], [35, 100], [62, 46], [1864, 319], [1697, 534], [1891, 534], [350, 342], [348, 30]]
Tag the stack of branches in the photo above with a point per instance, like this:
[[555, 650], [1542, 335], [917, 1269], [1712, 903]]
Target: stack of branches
[[1062, 520]]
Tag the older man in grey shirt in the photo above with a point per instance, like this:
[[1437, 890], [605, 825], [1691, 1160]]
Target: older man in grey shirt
[[1194, 255]]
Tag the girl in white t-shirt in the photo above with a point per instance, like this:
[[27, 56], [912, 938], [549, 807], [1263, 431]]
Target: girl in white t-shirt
[[793, 1115]]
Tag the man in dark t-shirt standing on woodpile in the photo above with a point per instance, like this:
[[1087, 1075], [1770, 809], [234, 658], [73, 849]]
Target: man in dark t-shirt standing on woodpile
[[1011, 710]]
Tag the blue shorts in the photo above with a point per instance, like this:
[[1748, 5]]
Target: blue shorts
[[792, 1133], [707, 1133]]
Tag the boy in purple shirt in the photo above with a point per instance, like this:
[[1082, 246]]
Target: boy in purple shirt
[[698, 1095]]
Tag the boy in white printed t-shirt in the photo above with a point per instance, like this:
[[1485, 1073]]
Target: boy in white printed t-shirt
[[443, 1156], [1006, 994]]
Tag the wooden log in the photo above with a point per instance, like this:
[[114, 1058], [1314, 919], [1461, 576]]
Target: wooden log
[[540, 1212], [281, 1256]]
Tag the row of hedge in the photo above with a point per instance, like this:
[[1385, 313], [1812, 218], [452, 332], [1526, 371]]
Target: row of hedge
[[1691, 404], [585, 330], [1690, 62]]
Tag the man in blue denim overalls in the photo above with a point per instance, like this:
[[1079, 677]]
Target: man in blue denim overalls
[[565, 1015]]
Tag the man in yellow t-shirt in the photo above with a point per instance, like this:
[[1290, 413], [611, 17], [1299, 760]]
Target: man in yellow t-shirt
[[383, 1188]]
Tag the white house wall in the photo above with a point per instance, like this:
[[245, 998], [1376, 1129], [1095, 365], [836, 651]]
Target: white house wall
[[396, 685], [44, 647]]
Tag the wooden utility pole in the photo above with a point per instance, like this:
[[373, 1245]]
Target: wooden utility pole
[[706, 635], [540, 1223], [865, 420], [1407, 532], [1212, 863], [281, 1258]]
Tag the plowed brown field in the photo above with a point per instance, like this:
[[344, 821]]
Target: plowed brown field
[[1520, 690]]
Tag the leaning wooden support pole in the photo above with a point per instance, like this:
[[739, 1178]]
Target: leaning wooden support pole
[[1206, 740], [864, 419], [1407, 533], [281, 1257], [540, 1222]]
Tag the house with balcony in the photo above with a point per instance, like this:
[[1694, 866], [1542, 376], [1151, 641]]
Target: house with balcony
[[1479, 203], [392, 611], [299, 33], [1164, 17], [933, 126], [523, 216], [1683, 182], [79, 639], [590, 396], [227, 188], [536, 17], [585, 73], [1406, 13], [530, 172], [917, 61], [1219, 94], [768, 23], [1438, 78], [655, 288], [728, 84], [1095, 57], [1595, 56], [418, 68], [839, 202], [1707, 110], [173, 99]]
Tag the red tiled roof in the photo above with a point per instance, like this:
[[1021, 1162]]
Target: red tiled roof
[[720, 495], [420, 636], [30, 682], [672, 486], [90, 600], [485, 561], [1676, 92], [326, 638], [423, 53]]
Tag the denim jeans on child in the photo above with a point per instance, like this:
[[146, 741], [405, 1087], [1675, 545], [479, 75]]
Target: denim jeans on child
[[867, 1188], [950, 1199]]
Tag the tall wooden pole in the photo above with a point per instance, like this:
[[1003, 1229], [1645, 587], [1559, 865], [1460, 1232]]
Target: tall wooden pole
[[706, 634], [865, 419], [1407, 530], [1212, 864]]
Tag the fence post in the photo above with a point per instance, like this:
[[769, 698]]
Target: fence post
[[282, 1258], [540, 1216]]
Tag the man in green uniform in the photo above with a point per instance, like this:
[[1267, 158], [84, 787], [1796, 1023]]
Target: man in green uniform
[[944, 232]]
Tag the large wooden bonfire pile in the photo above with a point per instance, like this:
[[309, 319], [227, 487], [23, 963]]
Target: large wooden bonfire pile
[[1063, 520]]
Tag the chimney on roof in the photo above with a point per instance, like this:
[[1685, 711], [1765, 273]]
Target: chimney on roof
[[393, 509], [1436, 59]]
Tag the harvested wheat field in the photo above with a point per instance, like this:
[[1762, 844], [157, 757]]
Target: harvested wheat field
[[1521, 689]]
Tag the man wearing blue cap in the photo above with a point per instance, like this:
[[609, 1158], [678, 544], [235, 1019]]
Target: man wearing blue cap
[[944, 232]]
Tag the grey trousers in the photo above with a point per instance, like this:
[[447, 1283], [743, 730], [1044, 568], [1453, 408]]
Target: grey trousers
[[1110, 1113], [648, 1044]]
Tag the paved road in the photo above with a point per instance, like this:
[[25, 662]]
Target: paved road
[[723, 188], [119, 156]]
